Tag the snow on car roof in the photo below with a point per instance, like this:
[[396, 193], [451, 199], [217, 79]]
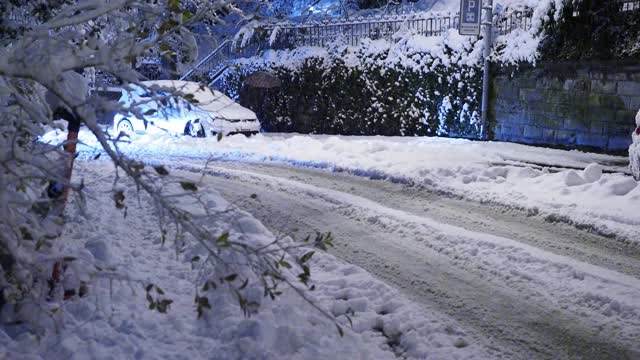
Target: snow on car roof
[[207, 99]]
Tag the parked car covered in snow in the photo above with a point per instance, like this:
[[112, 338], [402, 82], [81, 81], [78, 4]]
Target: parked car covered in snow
[[634, 150], [182, 107]]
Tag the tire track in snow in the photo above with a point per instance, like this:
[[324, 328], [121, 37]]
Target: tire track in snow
[[515, 272]]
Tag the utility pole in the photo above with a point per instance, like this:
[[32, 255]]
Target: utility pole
[[488, 23]]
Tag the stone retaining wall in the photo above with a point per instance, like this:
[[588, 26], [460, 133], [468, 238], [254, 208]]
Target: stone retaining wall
[[589, 106]]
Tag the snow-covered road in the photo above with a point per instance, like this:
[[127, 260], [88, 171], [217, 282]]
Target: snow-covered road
[[530, 262], [535, 289]]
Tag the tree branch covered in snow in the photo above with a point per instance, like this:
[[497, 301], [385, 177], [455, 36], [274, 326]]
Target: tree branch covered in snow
[[45, 45]]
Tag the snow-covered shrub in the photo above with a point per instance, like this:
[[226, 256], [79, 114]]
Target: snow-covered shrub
[[414, 86], [591, 30]]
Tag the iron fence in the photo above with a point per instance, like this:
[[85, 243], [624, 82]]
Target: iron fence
[[513, 20], [212, 66], [352, 32]]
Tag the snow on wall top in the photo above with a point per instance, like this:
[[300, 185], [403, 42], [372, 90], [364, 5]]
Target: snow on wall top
[[448, 49], [519, 45]]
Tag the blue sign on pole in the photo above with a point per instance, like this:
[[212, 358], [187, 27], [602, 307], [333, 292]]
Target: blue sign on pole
[[470, 11]]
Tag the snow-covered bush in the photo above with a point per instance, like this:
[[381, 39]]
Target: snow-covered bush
[[44, 44], [592, 30], [413, 86]]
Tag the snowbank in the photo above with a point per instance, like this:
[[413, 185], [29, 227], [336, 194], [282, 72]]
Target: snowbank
[[114, 321], [510, 174]]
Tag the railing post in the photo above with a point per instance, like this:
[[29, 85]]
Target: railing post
[[488, 22]]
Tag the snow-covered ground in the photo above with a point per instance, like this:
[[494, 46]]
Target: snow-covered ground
[[496, 272], [113, 321], [515, 175]]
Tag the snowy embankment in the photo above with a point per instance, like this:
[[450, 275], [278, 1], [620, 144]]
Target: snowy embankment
[[114, 321], [514, 175]]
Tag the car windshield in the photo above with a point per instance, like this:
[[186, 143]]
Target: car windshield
[[211, 100]]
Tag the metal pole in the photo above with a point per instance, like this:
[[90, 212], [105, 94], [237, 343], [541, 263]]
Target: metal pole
[[488, 21]]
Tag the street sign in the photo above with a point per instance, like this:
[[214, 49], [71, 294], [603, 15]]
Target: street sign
[[470, 11]]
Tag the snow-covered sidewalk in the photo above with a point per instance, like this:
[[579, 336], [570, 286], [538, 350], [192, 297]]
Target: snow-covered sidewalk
[[514, 175], [114, 321]]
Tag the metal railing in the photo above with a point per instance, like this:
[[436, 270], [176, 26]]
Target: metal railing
[[352, 32], [212, 62], [344, 32], [513, 20], [214, 65]]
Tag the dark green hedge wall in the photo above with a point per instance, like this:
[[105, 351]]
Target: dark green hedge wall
[[325, 96], [592, 30]]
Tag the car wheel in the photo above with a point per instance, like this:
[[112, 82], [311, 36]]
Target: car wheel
[[124, 126], [194, 129]]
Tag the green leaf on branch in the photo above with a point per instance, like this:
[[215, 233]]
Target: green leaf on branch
[[191, 98], [223, 240], [244, 284], [323, 241], [230, 277], [306, 257], [26, 235], [174, 5], [209, 284], [202, 303], [161, 170], [163, 305], [188, 186], [118, 197]]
